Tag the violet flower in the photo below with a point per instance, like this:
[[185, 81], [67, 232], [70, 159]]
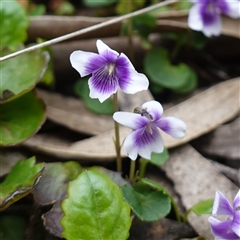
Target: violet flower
[[230, 228], [109, 70], [205, 15], [145, 137]]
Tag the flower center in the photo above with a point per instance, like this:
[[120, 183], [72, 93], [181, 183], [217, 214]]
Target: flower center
[[144, 113], [111, 68]]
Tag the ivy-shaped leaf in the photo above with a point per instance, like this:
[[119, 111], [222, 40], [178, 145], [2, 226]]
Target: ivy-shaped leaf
[[94, 209], [20, 118], [20, 74], [146, 202], [203, 207], [14, 24], [20, 181]]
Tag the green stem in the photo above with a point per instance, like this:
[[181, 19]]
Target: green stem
[[132, 171], [117, 136], [186, 215], [175, 207], [143, 165]]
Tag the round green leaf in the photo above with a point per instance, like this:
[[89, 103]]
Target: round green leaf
[[146, 202], [94, 209], [162, 72], [19, 182], [14, 24], [159, 159], [20, 118], [21, 74]]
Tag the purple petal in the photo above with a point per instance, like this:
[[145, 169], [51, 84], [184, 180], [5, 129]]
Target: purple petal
[[143, 142], [154, 109], [86, 62], [230, 7], [236, 222], [109, 54], [172, 126], [102, 84], [236, 202], [213, 29], [221, 205], [130, 81], [195, 21], [130, 120], [222, 230]]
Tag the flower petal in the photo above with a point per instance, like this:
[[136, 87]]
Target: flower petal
[[232, 9], [130, 120], [86, 62], [106, 51], [236, 222], [221, 205], [213, 29], [236, 202], [222, 230], [130, 81], [172, 126], [154, 109], [143, 142], [195, 21]]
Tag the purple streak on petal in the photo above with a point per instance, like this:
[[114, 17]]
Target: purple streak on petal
[[122, 69], [208, 12], [111, 57], [236, 202], [95, 63], [221, 205], [236, 222], [222, 5], [222, 230]]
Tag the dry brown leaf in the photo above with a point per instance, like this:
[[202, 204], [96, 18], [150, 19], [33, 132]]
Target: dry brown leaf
[[195, 179], [202, 113], [72, 113]]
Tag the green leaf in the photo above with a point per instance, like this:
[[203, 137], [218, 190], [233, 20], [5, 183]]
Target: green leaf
[[82, 90], [159, 159], [94, 209], [160, 71], [22, 73], [20, 119], [14, 24], [102, 3], [12, 227], [146, 202], [124, 7], [203, 207], [20, 181], [54, 182]]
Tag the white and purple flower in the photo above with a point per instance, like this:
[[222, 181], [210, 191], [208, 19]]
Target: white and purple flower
[[229, 229], [109, 70], [145, 137], [205, 15]]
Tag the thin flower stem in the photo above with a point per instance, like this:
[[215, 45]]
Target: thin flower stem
[[186, 215], [143, 165], [88, 29], [175, 208], [132, 171], [117, 135]]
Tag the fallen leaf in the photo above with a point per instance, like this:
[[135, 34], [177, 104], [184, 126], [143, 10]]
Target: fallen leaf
[[202, 113], [195, 179]]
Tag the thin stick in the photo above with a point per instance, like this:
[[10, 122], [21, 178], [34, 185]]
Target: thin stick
[[132, 171], [89, 29]]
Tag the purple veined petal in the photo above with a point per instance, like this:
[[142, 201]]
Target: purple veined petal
[[86, 62], [236, 201], [236, 222], [130, 120], [221, 205], [102, 85], [222, 230], [195, 21], [213, 29], [173, 126], [154, 109], [144, 142], [232, 8], [105, 51], [130, 81]]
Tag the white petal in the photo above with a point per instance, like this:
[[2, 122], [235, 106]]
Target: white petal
[[154, 108], [103, 48], [234, 8], [175, 127], [195, 21], [130, 120], [80, 61], [130, 149], [214, 29]]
